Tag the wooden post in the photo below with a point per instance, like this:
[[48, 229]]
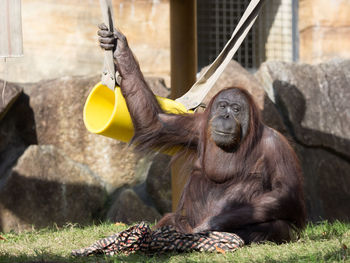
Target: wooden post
[[183, 41], [10, 29], [183, 44]]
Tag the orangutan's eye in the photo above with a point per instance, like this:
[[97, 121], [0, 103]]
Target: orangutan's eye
[[236, 108]]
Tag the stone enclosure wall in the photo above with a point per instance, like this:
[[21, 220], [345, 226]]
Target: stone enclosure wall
[[324, 30], [53, 171]]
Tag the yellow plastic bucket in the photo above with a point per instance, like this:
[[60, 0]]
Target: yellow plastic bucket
[[106, 112]]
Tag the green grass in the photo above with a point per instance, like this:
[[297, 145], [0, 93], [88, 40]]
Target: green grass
[[323, 242]]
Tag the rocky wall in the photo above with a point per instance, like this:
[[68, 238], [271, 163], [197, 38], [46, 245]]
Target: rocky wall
[[53, 171]]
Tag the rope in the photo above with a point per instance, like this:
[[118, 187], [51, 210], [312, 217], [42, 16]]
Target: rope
[[4, 86], [140, 238]]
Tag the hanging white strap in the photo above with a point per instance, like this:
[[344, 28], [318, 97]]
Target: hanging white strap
[[193, 98], [108, 77]]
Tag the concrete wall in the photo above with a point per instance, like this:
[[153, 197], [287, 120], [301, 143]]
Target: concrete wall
[[59, 38], [324, 28]]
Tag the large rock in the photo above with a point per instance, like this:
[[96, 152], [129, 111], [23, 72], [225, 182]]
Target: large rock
[[158, 86], [8, 95], [45, 188], [50, 113], [313, 102], [53, 114], [17, 132], [235, 75], [158, 183], [129, 208], [327, 184], [58, 109]]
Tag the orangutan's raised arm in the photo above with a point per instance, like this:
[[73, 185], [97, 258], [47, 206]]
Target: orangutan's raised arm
[[153, 127]]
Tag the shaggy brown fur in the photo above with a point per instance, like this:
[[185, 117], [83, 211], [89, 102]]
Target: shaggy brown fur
[[254, 191]]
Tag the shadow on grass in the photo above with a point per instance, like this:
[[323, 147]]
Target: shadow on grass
[[338, 255], [333, 251], [51, 258]]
